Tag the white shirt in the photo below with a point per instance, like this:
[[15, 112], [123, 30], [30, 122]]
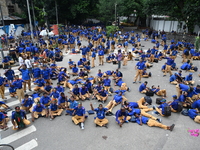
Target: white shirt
[[21, 61], [28, 63]]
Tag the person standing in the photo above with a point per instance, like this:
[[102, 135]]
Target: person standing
[[28, 65], [119, 58], [20, 60], [25, 77], [139, 67], [2, 88], [93, 57], [101, 56], [18, 84]]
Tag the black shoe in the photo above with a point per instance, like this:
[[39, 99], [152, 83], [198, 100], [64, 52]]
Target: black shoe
[[30, 90], [171, 127]]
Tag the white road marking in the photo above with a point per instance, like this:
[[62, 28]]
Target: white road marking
[[19, 134], [28, 146]]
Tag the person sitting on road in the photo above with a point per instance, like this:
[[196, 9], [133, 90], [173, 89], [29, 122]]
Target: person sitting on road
[[100, 119], [122, 116], [152, 123], [39, 110], [54, 110], [193, 114], [27, 103], [3, 121], [79, 115], [158, 91], [19, 119], [71, 104]]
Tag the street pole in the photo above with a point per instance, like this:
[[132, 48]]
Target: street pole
[[115, 14], [56, 12], [29, 16], [33, 11], [2, 54]]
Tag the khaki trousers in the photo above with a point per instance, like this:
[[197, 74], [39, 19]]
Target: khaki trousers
[[153, 123], [197, 119], [77, 119], [141, 102], [168, 69], [36, 114], [122, 118], [111, 105], [101, 122], [29, 84], [143, 112], [2, 91], [101, 60], [26, 122], [20, 94], [93, 64], [57, 112], [138, 73]]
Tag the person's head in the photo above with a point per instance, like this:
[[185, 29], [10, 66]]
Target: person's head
[[72, 98], [54, 89], [107, 77], [62, 94], [79, 105], [81, 59], [24, 66], [54, 101], [45, 94], [26, 96], [100, 106], [163, 101], [120, 93], [141, 60], [145, 82], [83, 86], [185, 93], [188, 61], [174, 97], [198, 86], [76, 86], [99, 83], [190, 74], [16, 77], [17, 108], [117, 70], [99, 70], [38, 103], [58, 84], [123, 109], [126, 103]]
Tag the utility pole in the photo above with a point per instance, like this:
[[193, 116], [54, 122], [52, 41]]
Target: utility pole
[[34, 17], [29, 16], [115, 14], [2, 54], [56, 12]]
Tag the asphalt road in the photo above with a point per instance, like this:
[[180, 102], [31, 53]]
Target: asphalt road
[[62, 134]]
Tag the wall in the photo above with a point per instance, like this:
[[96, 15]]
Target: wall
[[168, 26]]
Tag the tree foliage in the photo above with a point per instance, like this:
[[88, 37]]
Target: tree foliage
[[181, 10]]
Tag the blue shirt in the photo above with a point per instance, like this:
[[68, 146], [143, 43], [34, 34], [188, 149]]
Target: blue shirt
[[45, 100], [18, 83], [75, 70], [1, 116], [118, 114], [21, 112], [45, 73], [182, 98], [60, 89], [37, 108], [83, 91], [184, 87], [25, 74], [143, 120], [170, 61], [100, 113], [196, 104], [36, 72], [106, 82], [174, 104], [140, 65], [118, 98], [162, 106], [61, 100], [53, 107], [79, 111], [133, 105], [48, 88], [103, 93], [142, 87], [192, 113], [40, 82], [10, 74], [55, 94], [73, 104], [2, 80], [28, 103], [75, 91]]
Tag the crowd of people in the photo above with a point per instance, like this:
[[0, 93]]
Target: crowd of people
[[38, 66]]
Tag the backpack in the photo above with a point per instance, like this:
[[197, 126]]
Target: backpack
[[158, 100], [133, 119], [150, 74], [186, 52], [150, 93], [148, 100], [167, 110], [195, 69], [180, 107], [185, 112]]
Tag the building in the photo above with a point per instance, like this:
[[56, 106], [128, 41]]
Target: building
[[9, 10]]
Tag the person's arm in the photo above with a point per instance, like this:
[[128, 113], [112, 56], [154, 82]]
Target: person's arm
[[32, 114], [140, 117], [117, 115], [19, 68], [92, 108]]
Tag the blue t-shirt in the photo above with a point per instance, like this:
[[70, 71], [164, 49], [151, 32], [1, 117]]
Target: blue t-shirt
[[100, 113], [79, 111]]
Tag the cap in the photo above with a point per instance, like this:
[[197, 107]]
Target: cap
[[163, 100], [191, 74], [174, 96]]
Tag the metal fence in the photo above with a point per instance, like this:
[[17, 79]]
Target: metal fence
[[180, 37]]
